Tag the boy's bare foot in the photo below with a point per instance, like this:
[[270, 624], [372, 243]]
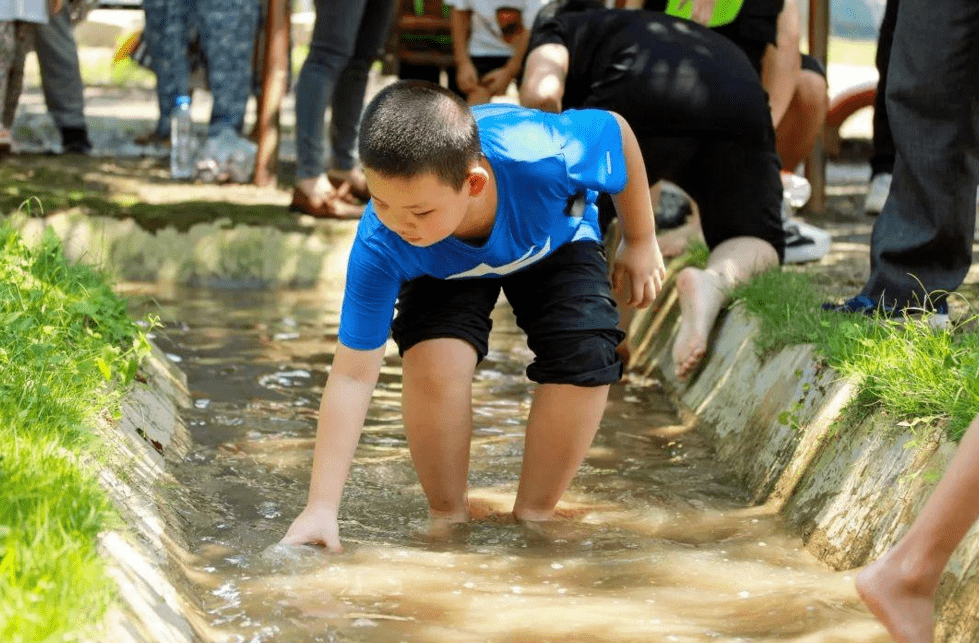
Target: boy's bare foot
[[907, 613], [701, 295]]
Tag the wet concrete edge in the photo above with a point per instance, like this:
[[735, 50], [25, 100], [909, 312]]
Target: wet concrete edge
[[849, 489]]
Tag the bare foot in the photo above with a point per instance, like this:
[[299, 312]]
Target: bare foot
[[674, 242], [701, 295], [906, 611]]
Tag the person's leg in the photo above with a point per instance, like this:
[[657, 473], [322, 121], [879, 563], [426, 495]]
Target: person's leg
[[8, 46], [165, 34], [349, 103], [737, 186], [23, 40], [804, 119], [922, 241], [564, 303], [882, 160], [331, 48], [61, 77], [228, 37], [900, 586], [563, 422], [437, 408], [703, 293], [442, 329]]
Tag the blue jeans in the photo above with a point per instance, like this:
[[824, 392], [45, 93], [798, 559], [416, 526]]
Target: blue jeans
[[348, 36], [922, 240], [227, 29]]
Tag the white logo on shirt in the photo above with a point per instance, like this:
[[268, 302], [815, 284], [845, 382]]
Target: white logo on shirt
[[483, 269]]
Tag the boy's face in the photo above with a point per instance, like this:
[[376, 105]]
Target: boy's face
[[422, 209]]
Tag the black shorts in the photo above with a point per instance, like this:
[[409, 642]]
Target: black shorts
[[563, 302], [486, 64], [736, 185]]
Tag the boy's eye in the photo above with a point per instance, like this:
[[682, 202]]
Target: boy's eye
[[425, 213]]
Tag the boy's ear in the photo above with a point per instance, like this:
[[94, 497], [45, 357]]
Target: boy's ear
[[477, 180]]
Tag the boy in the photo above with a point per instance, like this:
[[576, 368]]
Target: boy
[[702, 120], [466, 203]]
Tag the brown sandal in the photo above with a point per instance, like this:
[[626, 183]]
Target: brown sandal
[[331, 207]]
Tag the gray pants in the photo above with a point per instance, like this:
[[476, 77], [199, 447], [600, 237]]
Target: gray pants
[[61, 78], [922, 241], [348, 36]]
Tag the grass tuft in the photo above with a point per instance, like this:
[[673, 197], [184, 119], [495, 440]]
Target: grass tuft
[[67, 350], [903, 367]]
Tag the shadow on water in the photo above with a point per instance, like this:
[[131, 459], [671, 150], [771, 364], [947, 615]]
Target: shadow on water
[[655, 545]]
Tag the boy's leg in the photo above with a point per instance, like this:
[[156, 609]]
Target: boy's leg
[[437, 408], [442, 330], [564, 304], [899, 588], [562, 424]]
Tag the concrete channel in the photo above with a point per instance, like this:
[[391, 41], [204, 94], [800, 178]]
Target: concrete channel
[[849, 493]]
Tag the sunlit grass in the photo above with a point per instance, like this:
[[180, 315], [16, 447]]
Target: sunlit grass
[[904, 368], [67, 349]]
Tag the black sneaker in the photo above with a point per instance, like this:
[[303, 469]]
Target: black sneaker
[[673, 207], [74, 140], [937, 312]]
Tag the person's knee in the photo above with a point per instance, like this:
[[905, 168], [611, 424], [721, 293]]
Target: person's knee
[[811, 94], [441, 364]]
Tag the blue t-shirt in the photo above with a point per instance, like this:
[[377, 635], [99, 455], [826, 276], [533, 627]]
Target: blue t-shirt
[[549, 169]]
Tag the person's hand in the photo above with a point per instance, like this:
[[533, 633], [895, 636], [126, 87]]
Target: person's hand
[[639, 272], [466, 77], [702, 10], [316, 525], [496, 81]]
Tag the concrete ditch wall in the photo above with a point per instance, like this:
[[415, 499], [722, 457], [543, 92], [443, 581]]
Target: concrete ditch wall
[[849, 491]]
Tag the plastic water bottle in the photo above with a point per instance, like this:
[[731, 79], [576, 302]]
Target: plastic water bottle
[[181, 143]]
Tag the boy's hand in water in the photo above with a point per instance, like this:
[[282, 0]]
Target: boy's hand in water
[[316, 525], [638, 273]]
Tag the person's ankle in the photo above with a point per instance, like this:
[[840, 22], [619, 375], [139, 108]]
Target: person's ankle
[[533, 514], [454, 515]]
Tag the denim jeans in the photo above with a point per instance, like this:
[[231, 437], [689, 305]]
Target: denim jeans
[[227, 29], [922, 240], [348, 36]]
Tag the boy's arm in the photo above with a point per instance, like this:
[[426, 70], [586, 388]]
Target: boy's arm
[[460, 27], [639, 270], [544, 76], [346, 397]]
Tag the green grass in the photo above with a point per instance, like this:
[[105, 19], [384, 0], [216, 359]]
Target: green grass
[[67, 349], [905, 369]]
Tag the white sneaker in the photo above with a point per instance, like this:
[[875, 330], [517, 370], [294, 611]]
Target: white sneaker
[[796, 189], [805, 242], [880, 186]]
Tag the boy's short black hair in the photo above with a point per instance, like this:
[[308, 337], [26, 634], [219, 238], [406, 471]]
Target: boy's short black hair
[[412, 127]]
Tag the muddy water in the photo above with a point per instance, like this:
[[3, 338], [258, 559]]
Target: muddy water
[[657, 545]]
